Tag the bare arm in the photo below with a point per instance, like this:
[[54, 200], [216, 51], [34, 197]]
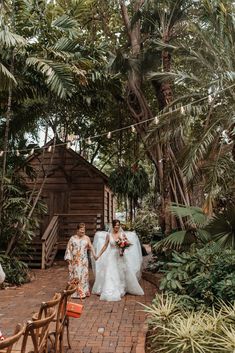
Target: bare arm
[[104, 247], [91, 248]]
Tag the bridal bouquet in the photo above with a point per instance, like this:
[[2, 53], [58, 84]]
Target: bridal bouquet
[[122, 244]]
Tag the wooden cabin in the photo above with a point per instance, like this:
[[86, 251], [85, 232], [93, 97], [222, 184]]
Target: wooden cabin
[[74, 191]]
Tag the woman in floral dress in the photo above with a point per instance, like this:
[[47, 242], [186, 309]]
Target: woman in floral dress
[[77, 257]]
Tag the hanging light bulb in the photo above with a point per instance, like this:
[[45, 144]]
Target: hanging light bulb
[[1, 153], [210, 99], [49, 149], [133, 128], [156, 120], [109, 135], [31, 152]]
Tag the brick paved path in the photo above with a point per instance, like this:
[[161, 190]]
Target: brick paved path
[[104, 327]]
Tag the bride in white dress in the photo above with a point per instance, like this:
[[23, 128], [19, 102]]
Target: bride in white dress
[[116, 275]]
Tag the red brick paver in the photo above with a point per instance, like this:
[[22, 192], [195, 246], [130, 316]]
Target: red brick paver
[[104, 327]]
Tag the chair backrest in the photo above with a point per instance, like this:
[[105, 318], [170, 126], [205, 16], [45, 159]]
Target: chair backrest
[[7, 344], [37, 330], [62, 321], [46, 307], [62, 308]]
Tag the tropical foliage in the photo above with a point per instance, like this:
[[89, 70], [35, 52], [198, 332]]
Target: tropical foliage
[[174, 329], [130, 183], [200, 228], [88, 67], [16, 271], [146, 226], [204, 275]]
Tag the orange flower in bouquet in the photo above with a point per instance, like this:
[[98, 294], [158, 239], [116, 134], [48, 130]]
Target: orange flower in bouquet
[[122, 244]]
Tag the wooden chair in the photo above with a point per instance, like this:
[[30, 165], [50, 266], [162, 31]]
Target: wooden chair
[[62, 320], [7, 344], [46, 307], [37, 331], [43, 313]]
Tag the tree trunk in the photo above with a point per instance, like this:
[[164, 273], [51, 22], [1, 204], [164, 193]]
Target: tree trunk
[[161, 153], [5, 144]]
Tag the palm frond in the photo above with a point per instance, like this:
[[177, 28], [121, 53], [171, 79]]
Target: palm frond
[[65, 23], [195, 214], [172, 241], [222, 228], [10, 40], [198, 151], [58, 75], [6, 77]]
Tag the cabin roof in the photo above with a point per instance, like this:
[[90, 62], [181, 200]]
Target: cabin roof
[[75, 155]]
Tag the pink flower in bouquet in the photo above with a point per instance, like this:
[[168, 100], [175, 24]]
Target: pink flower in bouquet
[[122, 244]]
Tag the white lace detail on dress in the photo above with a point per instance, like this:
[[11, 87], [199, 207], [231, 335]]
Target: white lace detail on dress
[[117, 275]]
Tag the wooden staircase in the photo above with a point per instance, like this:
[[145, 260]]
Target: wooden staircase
[[61, 227]]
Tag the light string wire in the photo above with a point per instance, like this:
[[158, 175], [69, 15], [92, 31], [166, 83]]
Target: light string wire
[[89, 139]]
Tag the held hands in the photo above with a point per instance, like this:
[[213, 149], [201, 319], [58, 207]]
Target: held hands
[[95, 257]]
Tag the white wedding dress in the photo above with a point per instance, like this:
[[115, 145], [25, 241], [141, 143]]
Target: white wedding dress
[[117, 275]]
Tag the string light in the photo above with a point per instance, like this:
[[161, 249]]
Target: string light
[[133, 128], [210, 99], [182, 109], [156, 120], [31, 152]]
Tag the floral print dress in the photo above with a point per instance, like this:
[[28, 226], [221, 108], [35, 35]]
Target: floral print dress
[[76, 254]]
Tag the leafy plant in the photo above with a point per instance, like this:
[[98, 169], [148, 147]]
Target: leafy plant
[[195, 220], [175, 328], [200, 228], [205, 274], [16, 271], [146, 225], [222, 227], [130, 181]]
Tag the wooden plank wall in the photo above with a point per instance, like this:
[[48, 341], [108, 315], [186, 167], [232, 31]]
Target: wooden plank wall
[[72, 187]]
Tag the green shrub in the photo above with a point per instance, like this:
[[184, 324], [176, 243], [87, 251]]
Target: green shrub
[[147, 227], [205, 274], [16, 271], [175, 329]]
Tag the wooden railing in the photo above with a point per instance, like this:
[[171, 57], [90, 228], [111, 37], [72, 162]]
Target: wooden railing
[[60, 229], [49, 240]]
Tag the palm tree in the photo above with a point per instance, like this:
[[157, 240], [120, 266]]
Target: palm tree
[[40, 60], [147, 25]]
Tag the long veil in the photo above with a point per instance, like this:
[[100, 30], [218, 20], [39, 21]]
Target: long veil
[[133, 254]]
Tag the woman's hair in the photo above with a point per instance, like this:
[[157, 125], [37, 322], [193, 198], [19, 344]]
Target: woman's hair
[[115, 221], [81, 225]]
